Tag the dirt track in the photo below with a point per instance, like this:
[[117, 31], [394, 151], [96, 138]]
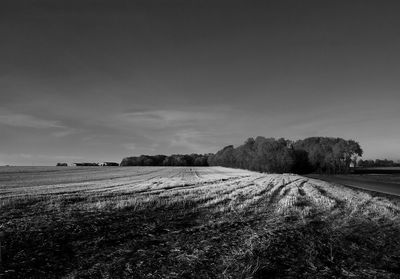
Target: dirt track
[[382, 183]]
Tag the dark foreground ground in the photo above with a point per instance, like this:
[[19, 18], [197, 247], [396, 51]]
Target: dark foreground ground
[[192, 223]]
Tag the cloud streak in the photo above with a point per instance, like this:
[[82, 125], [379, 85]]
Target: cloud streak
[[161, 119], [23, 121], [28, 121], [190, 129], [192, 140]]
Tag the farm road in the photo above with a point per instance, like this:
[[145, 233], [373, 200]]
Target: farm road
[[387, 184]]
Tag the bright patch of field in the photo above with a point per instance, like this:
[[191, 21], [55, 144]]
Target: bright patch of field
[[182, 222]]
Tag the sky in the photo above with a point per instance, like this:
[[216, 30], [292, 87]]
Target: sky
[[86, 80]]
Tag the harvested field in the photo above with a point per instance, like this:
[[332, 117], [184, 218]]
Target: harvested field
[[182, 222]]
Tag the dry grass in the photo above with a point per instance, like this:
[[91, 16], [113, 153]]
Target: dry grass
[[193, 222]]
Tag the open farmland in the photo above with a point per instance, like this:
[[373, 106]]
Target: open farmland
[[182, 222]]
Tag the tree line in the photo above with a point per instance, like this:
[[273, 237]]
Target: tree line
[[378, 163], [163, 160], [315, 154]]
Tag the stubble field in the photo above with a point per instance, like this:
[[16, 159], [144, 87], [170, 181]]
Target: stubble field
[[182, 222]]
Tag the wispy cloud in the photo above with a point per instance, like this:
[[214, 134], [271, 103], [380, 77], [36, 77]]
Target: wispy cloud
[[176, 130], [27, 121], [191, 140], [142, 148], [130, 146], [47, 157], [65, 132], [160, 119], [21, 120]]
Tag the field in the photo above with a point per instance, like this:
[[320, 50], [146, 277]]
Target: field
[[181, 222]]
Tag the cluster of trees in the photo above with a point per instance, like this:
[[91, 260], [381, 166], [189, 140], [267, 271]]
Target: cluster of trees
[[86, 164], [163, 160], [316, 154], [330, 155], [260, 154], [377, 163]]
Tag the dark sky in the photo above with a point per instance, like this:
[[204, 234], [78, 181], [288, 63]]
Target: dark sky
[[85, 80]]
